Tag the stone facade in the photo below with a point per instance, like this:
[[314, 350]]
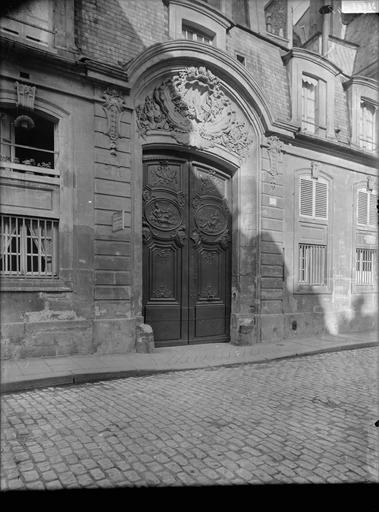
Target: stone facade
[[121, 84]]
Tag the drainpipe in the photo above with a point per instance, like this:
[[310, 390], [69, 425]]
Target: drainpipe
[[326, 10]]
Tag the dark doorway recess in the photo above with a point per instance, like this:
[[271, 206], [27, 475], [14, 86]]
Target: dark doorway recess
[[186, 251]]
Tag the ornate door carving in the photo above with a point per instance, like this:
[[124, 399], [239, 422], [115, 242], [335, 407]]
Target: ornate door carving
[[187, 252]]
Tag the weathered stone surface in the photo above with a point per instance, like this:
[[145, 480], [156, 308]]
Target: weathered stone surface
[[144, 339]]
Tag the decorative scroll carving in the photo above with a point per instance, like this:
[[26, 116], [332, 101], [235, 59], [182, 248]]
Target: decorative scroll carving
[[196, 238], [162, 292], [25, 96], [193, 108], [209, 257], [146, 233], [113, 106], [146, 194], [209, 291], [225, 239], [210, 219], [165, 175], [181, 199], [274, 149], [315, 169], [163, 214], [180, 236], [163, 254]]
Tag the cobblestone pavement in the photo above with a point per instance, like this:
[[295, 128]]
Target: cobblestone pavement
[[300, 420]]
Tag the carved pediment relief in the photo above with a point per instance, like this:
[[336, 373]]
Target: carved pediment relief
[[192, 107]]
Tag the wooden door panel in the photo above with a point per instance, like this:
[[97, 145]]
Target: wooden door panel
[[165, 221], [186, 256], [210, 224]]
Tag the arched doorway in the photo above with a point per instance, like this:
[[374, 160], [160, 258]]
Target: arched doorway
[[186, 250]]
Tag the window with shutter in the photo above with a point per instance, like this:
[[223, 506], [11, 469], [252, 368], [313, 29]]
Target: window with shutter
[[313, 198], [367, 126], [367, 214], [309, 104]]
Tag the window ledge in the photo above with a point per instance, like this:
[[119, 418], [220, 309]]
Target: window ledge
[[312, 290], [9, 284]]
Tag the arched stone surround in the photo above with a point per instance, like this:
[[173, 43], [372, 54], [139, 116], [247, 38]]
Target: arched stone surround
[[158, 76]]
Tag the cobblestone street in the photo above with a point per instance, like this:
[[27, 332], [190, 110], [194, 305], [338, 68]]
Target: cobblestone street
[[303, 420]]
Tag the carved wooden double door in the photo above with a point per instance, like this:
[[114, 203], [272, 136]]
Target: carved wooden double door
[[187, 251]]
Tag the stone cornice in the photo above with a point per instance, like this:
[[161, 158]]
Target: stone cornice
[[315, 58], [362, 80], [205, 9], [69, 62], [336, 148]]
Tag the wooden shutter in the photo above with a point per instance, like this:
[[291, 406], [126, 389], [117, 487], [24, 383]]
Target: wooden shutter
[[306, 197], [373, 209], [362, 206], [6, 137], [321, 206]]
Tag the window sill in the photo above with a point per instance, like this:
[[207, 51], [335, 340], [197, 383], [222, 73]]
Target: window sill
[[312, 290], [8, 284], [363, 288]]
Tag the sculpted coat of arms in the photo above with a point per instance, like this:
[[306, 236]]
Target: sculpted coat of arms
[[192, 107]]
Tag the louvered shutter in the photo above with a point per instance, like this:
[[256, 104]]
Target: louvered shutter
[[373, 211], [362, 207], [306, 197], [321, 206], [6, 136]]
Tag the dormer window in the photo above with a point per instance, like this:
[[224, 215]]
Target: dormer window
[[194, 33], [32, 21], [309, 95], [367, 126]]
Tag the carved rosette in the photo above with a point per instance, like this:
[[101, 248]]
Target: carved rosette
[[113, 106], [274, 148], [192, 107]]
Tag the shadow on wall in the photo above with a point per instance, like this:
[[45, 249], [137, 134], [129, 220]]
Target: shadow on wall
[[280, 312], [92, 32], [358, 320]]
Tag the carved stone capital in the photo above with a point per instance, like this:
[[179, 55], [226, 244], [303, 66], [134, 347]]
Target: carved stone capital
[[192, 107], [113, 106]]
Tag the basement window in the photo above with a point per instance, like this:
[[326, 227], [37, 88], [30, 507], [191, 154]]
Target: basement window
[[365, 266], [312, 264], [28, 246]]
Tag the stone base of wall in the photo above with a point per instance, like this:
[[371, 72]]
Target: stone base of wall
[[21, 340], [114, 335]]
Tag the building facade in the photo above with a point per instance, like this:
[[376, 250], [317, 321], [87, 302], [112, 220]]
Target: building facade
[[177, 172]]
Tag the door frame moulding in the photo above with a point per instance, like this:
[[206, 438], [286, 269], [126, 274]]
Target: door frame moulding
[[154, 66]]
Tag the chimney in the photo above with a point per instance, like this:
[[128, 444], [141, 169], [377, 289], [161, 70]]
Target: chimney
[[326, 11]]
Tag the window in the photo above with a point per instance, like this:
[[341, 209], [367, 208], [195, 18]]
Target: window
[[240, 12], [365, 266], [312, 264], [313, 198], [309, 92], [367, 126], [276, 18], [26, 147], [31, 21], [195, 34], [28, 246], [367, 213]]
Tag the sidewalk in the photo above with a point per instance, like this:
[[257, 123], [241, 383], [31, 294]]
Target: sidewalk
[[26, 374]]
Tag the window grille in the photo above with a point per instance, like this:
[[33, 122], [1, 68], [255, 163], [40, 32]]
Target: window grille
[[312, 264], [28, 246], [313, 198], [367, 127], [308, 104], [365, 266], [194, 34], [367, 212]]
